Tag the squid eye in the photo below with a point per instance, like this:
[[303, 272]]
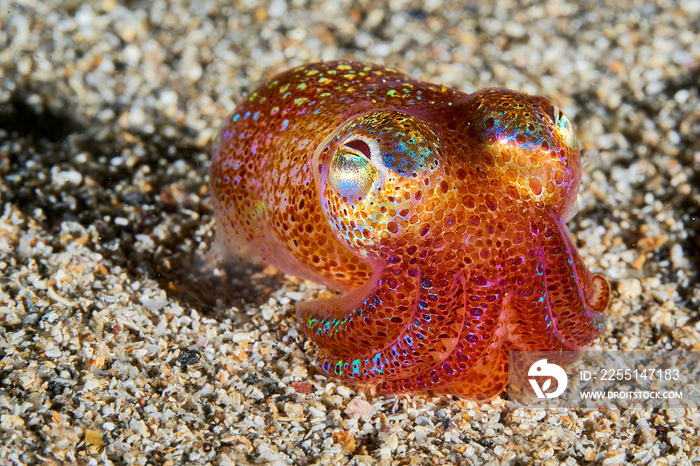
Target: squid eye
[[562, 126], [566, 131], [552, 112], [351, 172]]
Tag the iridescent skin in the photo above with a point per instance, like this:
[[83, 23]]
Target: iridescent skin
[[439, 215]]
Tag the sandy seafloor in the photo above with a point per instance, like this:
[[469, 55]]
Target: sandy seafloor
[[119, 345]]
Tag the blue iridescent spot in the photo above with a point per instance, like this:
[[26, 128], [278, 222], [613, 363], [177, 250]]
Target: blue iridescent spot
[[377, 363], [285, 123]]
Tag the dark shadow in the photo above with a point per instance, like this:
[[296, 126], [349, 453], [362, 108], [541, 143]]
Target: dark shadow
[[197, 284], [21, 119]]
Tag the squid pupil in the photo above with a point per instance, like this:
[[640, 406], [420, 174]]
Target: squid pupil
[[360, 146]]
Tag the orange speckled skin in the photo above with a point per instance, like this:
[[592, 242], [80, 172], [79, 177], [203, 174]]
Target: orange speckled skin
[[440, 215]]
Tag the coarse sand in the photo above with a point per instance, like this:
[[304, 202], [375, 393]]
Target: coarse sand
[[119, 344]]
